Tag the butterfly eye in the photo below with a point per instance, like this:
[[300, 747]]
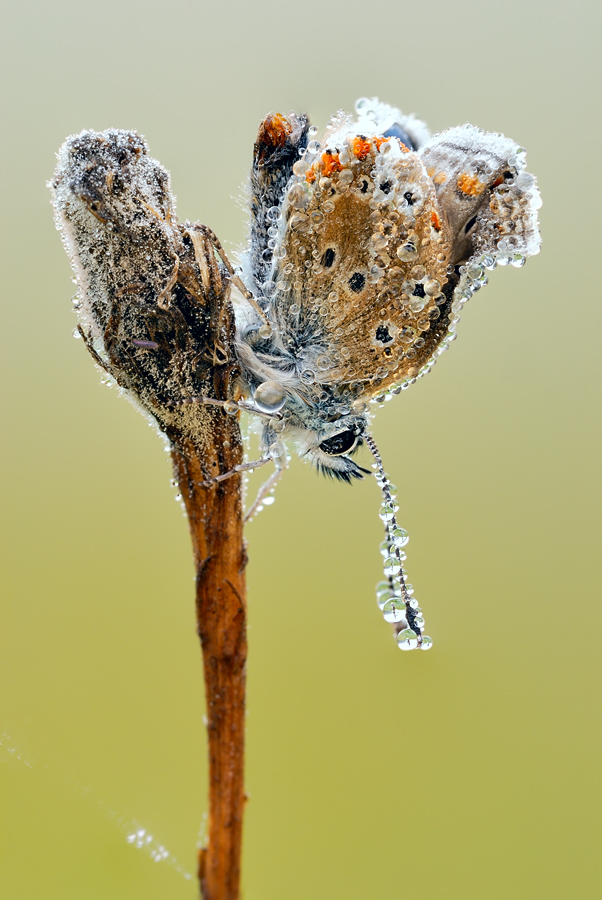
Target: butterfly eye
[[340, 443]]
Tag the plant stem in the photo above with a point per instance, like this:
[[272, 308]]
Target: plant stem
[[216, 526]]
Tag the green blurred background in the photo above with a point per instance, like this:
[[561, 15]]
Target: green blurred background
[[468, 772]]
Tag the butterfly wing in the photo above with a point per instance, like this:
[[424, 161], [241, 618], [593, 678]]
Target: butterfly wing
[[363, 260], [379, 246]]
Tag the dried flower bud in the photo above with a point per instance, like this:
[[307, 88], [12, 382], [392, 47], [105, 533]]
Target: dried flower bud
[[153, 299]]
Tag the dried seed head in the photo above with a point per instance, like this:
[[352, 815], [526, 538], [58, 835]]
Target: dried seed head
[[153, 300]]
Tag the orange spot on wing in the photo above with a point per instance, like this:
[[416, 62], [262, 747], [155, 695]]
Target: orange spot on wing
[[274, 130], [361, 147], [310, 176], [330, 163], [380, 140], [440, 178], [470, 184], [404, 149], [435, 220]]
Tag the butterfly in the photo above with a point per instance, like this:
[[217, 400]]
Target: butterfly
[[364, 247]]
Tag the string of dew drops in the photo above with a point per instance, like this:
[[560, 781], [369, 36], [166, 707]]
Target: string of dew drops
[[395, 596]]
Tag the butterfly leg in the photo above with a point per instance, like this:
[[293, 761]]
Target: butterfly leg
[[232, 407], [243, 467], [264, 490]]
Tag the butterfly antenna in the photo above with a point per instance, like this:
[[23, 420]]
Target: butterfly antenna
[[395, 596]]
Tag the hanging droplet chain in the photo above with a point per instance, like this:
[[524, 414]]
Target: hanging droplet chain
[[394, 596]]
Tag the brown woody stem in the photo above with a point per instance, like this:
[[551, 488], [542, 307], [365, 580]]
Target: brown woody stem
[[216, 525]]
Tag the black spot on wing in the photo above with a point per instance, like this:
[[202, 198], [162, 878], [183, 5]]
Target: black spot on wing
[[382, 334], [357, 282], [328, 258]]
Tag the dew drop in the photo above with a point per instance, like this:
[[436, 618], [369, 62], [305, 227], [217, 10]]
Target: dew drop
[[399, 536], [391, 565], [393, 610], [270, 396], [387, 511], [407, 252], [407, 639]]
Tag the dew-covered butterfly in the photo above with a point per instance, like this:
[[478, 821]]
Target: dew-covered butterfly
[[363, 249]]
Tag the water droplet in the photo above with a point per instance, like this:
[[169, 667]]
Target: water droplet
[[276, 450], [269, 288], [75, 333], [407, 639], [308, 376], [300, 167], [432, 288], [399, 536], [391, 565], [270, 396], [267, 501], [277, 425], [427, 642], [230, 407], [407, 252], [300, 222], [393, 610], [273, 214]]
